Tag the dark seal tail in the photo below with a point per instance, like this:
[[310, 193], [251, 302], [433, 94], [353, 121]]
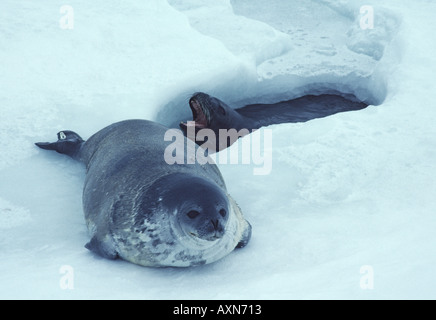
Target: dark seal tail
[[68, 143]]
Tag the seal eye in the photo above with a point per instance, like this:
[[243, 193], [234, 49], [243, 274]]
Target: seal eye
[[221, 110], [193, 214], [223, 213]]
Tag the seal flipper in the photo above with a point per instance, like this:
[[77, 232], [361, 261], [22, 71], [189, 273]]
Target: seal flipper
[[246, 236], [68, 143], [244, 225], [101, 248]]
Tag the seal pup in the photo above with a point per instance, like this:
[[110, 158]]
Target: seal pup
[[143, 210], [211, 113]]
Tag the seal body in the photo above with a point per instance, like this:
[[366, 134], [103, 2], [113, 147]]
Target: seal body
[[143, 210], [211, 113]]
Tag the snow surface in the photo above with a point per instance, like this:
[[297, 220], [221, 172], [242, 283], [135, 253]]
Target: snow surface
[[348, 193]]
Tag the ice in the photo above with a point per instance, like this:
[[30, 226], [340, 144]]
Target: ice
[[346, 194], [218, 20], [12, 216]]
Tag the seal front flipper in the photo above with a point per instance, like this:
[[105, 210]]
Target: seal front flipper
[[244, 225], [246, 236], [102, 248], [68, 143]]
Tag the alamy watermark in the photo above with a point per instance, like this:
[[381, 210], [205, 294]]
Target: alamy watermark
[[66, 22], [367, 277], [367, 17], [255, 149], [66, 282]]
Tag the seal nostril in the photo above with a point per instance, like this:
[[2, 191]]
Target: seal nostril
[[215, 224]]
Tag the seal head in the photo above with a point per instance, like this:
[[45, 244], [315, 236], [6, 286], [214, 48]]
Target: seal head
[[180, 220], [211, 113], [197, 207]]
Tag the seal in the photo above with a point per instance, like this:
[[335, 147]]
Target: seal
[[143, 210], [211, 113]]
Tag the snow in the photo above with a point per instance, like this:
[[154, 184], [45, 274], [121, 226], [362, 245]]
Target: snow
[[349, 196]]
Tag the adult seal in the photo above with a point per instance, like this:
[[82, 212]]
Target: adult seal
[[213, 114], [143, 210]]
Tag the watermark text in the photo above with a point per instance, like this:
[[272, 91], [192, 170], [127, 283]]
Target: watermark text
[[367, 17], [66, 22], [255, 149]]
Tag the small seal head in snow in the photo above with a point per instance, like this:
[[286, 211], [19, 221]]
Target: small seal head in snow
[[146, 211], [211, 113]]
